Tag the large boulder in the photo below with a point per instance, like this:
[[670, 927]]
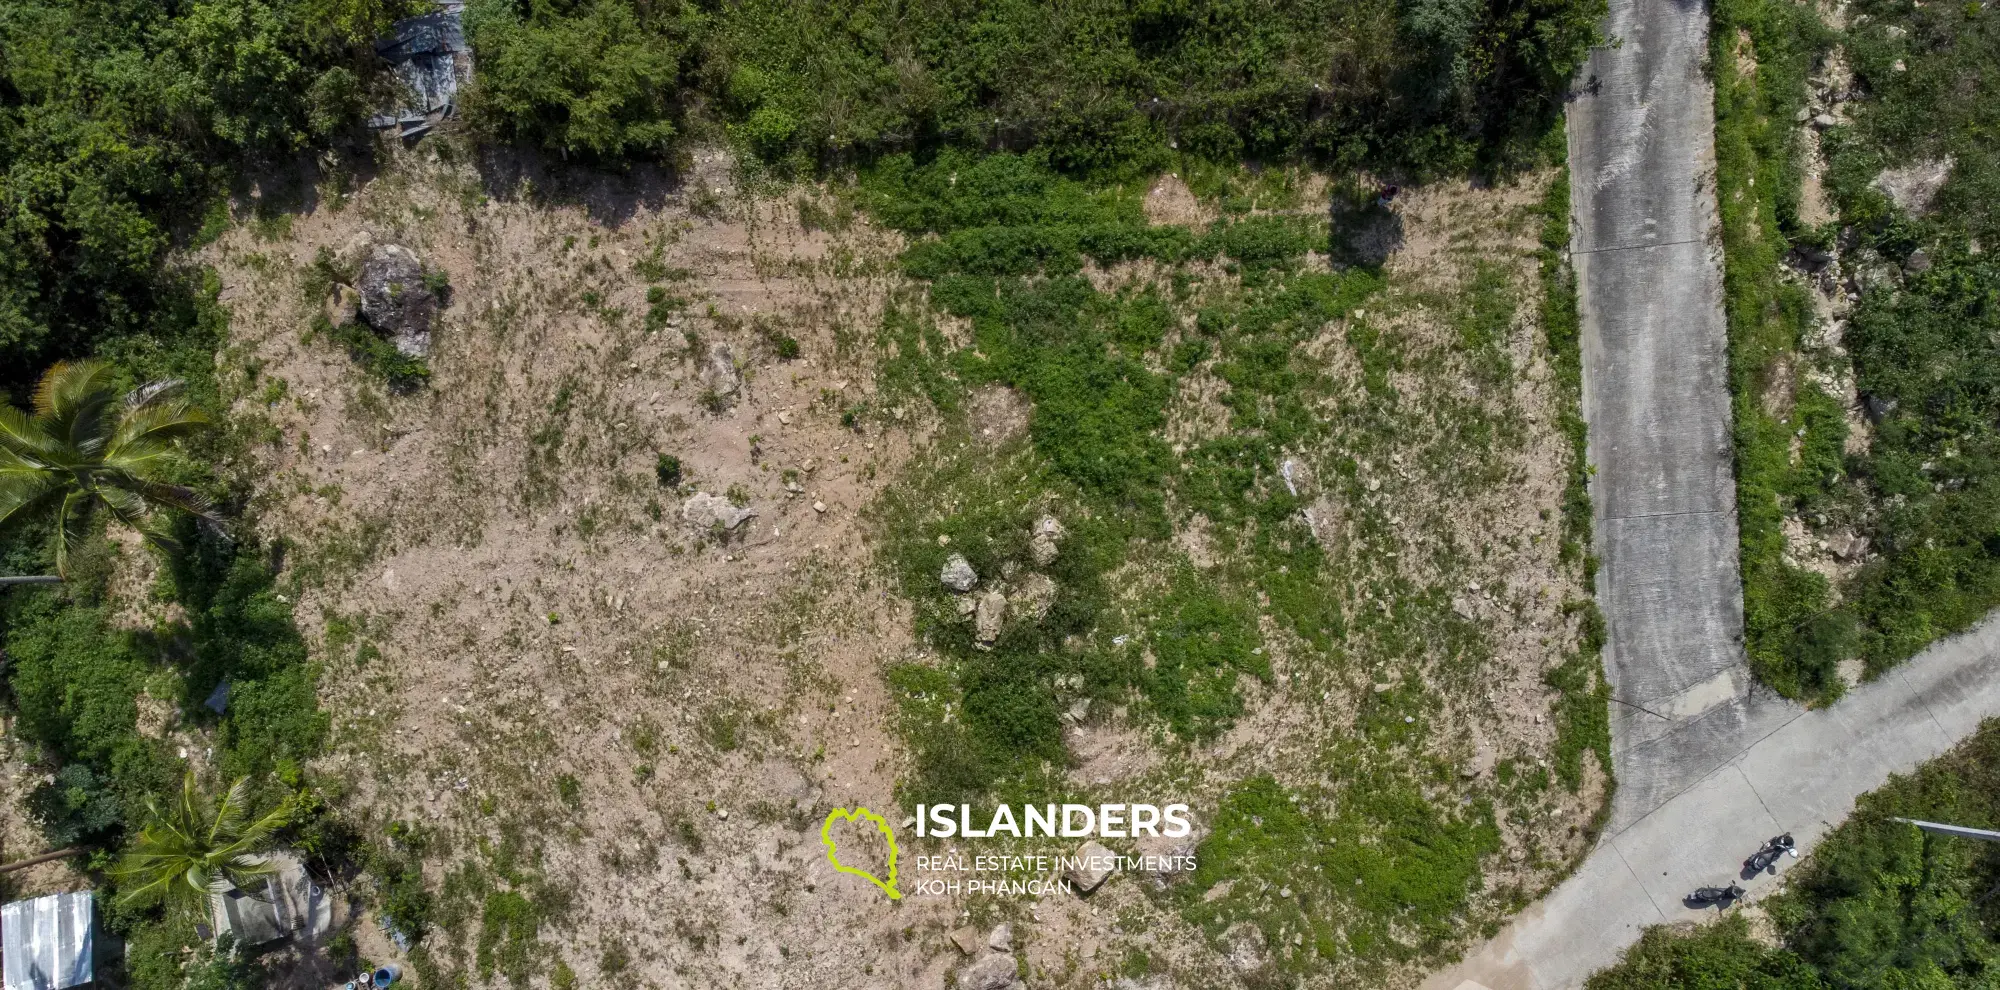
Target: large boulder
[[395, 302]]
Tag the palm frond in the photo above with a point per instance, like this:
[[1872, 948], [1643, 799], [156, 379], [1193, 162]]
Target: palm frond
[[26, 491], [74, 399], [159, 494], [69, 526], [230, 813], [25, 435], [162, 417]]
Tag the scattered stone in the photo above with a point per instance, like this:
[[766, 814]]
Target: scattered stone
[[988, 616], [958, 574], [1078, 711], [1848, 546], [819, 506], [395, 302], [719, 373], [1914, 186], [1462, 607], [705, 511], [785, 417], [1900, 67], [1048, 532], [994, 972], [1824, 121], [343, 305], [1033, 596], [1918, 263], [1293, 472], [1001, 939], [1877, 408], [1094, 864], [966, 939]]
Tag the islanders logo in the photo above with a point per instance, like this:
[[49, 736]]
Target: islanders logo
[[833, 855]]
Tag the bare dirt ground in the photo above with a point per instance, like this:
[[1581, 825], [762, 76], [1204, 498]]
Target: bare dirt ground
[[565, 688]]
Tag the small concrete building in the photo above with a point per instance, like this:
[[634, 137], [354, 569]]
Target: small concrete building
[[49, 941], [291, 904]]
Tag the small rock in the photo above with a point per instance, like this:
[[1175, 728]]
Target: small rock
[[1001, 938], [1918, 263], [1877, 408], [994, 972], [705, 511], [1824, 121], [1048, 532], [1033, 596], [958, 574], [785, 417], [966, 606], [966, 939], [719, 374], [819, 506], [343, 305], [1462, 607], [1900, 67], [989, 615], [1094, 863]]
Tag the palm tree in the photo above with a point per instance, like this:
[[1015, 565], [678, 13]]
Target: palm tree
[[82, 448], [186, 852]]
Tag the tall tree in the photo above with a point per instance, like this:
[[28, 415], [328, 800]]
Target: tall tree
[[188, 852], [82, 448]]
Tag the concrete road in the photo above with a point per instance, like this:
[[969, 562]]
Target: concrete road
[[1708, 764], [1801, 777], [1656, 395]]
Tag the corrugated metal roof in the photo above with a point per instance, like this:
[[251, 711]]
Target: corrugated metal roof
[[47, 941]]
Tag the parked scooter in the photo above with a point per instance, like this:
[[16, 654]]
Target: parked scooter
[[1713, 896], [1767, 857]]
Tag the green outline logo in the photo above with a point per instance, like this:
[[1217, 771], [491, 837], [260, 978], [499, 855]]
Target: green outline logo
[[881, 825]]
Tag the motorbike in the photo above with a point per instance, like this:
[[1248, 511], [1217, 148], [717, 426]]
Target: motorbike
[[1765, 858], [1718, 896]]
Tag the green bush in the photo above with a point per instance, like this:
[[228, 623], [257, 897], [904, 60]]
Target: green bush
[[123, 120], [600, 79], [77, 806]]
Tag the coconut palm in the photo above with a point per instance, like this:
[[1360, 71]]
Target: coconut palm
[[186, 851], [82, 448]]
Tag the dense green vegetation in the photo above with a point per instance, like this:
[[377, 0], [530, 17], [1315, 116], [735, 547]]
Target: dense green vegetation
[[1879, 905], [1100, 85], [1080, 355], [1102, 366], [1925, 344], [119, 122], [1921, 335], [1792, 641]]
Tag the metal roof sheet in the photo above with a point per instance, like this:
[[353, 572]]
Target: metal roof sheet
[[47, 941]]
